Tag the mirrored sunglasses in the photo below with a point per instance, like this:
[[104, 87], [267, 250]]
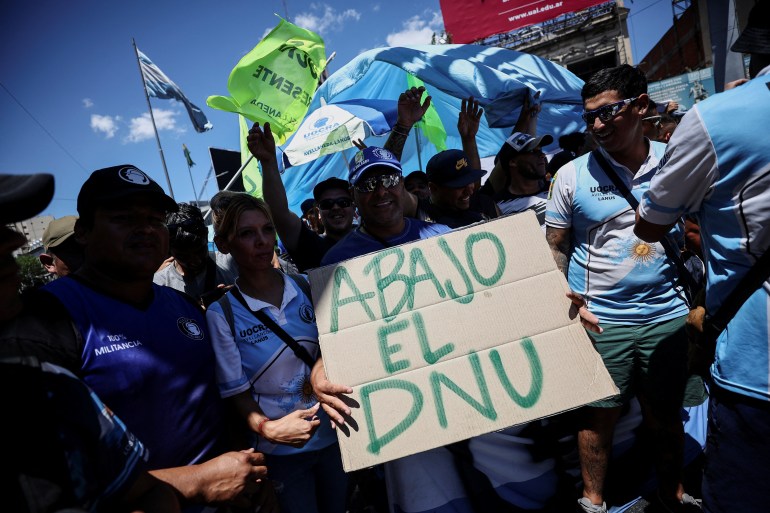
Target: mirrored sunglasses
[[370, 184], [607, 112], [329, 203]]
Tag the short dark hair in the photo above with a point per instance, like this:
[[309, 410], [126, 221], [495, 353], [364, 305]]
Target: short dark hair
[[186, 228], [627, 80], [328, 184], [572, 141]]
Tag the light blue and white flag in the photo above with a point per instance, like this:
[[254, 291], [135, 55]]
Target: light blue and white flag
[[160, 86]]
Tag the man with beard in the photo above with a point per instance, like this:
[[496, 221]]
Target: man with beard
[[524, 162]]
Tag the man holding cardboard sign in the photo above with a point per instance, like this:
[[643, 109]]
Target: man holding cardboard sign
[[429, 340]]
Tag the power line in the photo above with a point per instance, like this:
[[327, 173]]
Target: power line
[[43, 128], [644, 9]]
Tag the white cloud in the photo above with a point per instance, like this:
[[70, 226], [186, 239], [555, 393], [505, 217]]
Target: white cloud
[[107, 125], [141, 127], [323, 18], [376, 7], [417, 30], [87, 103]]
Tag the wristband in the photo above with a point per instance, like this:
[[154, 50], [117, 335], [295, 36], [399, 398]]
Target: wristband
[[259, 426]]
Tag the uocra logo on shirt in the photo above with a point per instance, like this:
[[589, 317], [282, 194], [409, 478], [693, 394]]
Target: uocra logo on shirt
[[189, 328]]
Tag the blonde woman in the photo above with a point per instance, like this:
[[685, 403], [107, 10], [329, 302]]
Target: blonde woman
[[265, 339]]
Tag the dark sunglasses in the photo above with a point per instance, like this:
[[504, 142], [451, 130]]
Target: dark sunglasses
[[608, 112], [329, 203], [370, 184]]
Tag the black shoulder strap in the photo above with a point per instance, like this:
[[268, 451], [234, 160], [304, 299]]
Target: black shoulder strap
[[671, 250], [299, 351]]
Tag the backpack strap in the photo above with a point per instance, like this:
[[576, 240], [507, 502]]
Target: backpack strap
[[303, 285], [227, 310]]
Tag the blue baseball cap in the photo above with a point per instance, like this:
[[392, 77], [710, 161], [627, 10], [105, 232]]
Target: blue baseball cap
[[369, 157], [450, 168]]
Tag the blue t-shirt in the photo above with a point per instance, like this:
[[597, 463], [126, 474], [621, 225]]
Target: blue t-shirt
[[358, 242], [87, 458], [257, 359], [624, 279], [153, 367], [718, 168]]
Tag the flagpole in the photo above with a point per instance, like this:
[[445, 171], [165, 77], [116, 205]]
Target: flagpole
[[189, 170], [152, 118], [417, 143], [232, 181]]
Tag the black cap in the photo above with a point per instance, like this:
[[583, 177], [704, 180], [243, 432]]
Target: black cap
[[756, 36], [24, 196], [110, 184], [416, 175], [450, 168], [330, 183], [307, 205]]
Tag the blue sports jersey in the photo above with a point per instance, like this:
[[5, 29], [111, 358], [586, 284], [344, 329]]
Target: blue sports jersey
[[718, 167], [357, 242], [153, 367], [624, 279], [259, 360]]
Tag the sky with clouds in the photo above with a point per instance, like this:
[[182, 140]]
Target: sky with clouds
[[71, 97]]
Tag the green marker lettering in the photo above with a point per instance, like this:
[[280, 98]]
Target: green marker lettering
[[387, 351], [384, 282], [416, 258], [422, 336], [467, 297], [487, 409], [341, 274], [470, 242], [376, 443], [536, 368]]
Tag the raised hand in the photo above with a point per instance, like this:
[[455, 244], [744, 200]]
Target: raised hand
[[410, 110], [469, 118], [261, 143]]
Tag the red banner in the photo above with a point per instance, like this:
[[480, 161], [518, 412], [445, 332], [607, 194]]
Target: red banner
[[471, 20]]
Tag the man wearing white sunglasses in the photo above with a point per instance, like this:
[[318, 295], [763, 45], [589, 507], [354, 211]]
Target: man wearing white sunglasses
[[629, 284]]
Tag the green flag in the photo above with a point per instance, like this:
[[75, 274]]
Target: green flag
[[251, 175], [431, 122], [187, 156], [276, 80]]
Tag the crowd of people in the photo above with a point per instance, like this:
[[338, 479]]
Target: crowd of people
[[155, 375]]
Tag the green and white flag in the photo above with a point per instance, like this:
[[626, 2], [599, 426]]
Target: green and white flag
[[276, 80]]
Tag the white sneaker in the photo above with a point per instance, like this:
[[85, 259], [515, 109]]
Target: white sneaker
[[588, 507]]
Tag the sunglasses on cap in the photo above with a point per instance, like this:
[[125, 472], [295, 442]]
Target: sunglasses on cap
[[607, 112], [370, 184], [329, 203], [655, 120]]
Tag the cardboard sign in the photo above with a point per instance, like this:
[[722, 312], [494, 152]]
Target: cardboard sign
[[452, 337]]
